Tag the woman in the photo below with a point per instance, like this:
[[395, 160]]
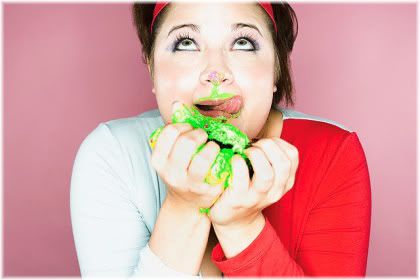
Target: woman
[[306, 209]]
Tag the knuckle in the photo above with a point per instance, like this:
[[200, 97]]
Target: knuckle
[[206, 157], [187, 140], [295, 152], [251, 202], [287, 164], [291, 183], [253, 150], [275, 197], [213, 146], [212, 151], [263, 188], [263, 142], [174, 178], [172, 129], [182, 126], [208, 154], [269, 179], [201, 133], [194, 137], [170, 180], [197, 188], [154, 162]]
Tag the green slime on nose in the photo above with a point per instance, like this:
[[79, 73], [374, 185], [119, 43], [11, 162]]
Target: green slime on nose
[[230, 139]]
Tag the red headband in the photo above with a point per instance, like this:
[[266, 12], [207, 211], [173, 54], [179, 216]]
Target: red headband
[[266, 5]]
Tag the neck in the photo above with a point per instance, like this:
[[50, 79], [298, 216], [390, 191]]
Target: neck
[[272, 127]]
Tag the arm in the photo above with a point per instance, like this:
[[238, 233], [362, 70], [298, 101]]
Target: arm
[[336, 236], [110, 234], [180, 237]]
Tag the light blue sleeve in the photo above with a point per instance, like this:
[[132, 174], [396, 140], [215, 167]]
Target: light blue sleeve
[[110, 232]]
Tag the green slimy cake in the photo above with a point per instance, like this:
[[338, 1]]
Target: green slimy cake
[[230, 139]]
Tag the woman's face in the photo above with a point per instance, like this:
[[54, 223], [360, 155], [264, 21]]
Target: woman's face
[[219, 37]]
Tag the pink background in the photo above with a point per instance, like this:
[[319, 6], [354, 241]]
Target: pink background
[[68, 67]]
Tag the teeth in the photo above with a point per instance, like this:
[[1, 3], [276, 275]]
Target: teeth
[[215, 113], [204, 107], [212, 102]]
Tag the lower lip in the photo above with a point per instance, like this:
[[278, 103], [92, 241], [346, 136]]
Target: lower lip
[[215, 113]]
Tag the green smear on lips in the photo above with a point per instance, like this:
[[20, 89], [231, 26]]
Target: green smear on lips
[[216, 95]]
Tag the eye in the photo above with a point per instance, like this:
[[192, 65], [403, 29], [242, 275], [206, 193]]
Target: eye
[[183, 42], [246, 42]]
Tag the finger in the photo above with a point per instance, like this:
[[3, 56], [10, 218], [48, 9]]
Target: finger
[[240, 176], [207, 190], [165, 142], [263, 177], [293, 155], [184, 148], [280, 162], [202, 162]]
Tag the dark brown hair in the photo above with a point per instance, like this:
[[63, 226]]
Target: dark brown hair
[[283, 40]]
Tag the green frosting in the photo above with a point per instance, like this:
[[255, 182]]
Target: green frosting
[[230, 139]]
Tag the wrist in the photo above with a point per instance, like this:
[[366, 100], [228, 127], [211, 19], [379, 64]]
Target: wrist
[[185, 211], [237, 236], [180, 236]]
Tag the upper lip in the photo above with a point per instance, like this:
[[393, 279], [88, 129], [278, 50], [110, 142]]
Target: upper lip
[[216, 101]]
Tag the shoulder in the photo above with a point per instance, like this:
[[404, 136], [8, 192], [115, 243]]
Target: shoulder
[[130, 130], [309, 130], [123, 133], [319, 139]]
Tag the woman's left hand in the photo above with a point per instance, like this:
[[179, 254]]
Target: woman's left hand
[[275, 163]]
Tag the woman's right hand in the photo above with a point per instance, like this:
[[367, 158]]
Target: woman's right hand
[[171, 157]]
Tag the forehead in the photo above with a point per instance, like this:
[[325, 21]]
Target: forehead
[[214, 15]]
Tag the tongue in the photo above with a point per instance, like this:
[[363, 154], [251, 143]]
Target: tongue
[[230, 106]]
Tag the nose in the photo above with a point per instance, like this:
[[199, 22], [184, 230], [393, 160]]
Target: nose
[[216, 77]]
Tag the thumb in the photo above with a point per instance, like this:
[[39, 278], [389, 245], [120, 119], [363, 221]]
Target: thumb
[[176, 105], [177, 112]]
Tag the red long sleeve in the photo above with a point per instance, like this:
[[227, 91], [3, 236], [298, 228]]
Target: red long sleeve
[[321, 227], [266, 256]]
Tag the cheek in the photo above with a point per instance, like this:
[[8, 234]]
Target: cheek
[[254, 71], [174, 80], [176, 71], [256, 81]]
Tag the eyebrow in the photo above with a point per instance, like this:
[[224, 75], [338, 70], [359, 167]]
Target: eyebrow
[[196, 28]]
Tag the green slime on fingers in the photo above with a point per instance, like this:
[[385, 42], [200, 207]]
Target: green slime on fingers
[[230, 139]]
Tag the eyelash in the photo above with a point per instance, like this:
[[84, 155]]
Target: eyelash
[[249, 37]]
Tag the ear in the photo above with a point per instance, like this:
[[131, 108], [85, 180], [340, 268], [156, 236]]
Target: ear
[[150, 74], [275, 89], [148, 67]]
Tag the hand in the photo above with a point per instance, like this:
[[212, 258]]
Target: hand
[[275, 163], [184, 176]]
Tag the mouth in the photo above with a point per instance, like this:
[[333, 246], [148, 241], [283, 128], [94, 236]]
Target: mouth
[[229, 108]]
